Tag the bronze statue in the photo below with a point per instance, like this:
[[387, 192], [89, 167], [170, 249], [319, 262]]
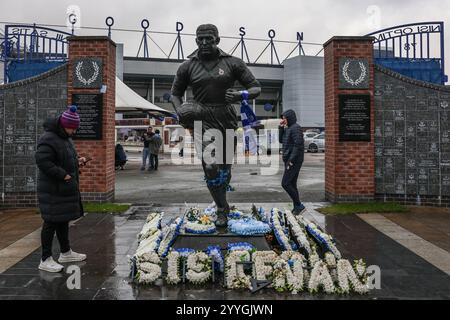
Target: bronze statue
[[212, 73]]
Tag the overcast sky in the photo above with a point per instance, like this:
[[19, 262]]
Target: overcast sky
[[318, 19]]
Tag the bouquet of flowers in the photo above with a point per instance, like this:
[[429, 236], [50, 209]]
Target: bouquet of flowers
[[279, 230], [170, 233], [151, 226], [325, 240], [199, 222], [299, 232]]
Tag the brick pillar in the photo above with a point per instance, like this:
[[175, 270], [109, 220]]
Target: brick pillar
[[349, 165], [97, 180]]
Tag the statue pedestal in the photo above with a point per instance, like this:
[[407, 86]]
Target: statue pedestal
[[201, 242]]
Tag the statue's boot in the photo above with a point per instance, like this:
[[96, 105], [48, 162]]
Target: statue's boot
[[219, 196]]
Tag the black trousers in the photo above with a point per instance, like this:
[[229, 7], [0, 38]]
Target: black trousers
[[48, 232], [154, 161], [289, 182]]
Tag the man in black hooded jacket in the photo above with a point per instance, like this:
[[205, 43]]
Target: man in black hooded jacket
[[291, 136]]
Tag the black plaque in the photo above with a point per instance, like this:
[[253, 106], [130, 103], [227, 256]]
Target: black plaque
[[90, 109], [354, 117]]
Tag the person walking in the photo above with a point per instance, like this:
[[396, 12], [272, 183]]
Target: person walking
[[146, 151], [291, 137], [58, 187], [155, 145]]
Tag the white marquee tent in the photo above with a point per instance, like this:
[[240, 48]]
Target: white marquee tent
[[128, 100]]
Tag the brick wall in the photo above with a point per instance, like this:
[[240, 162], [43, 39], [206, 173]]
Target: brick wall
[[349, 166], [98, 177]]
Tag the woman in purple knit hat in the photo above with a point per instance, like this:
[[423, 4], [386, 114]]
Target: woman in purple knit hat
[[58, 187]]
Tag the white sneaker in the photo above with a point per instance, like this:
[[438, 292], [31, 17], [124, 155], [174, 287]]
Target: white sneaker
[[71, 256], [50, 265]]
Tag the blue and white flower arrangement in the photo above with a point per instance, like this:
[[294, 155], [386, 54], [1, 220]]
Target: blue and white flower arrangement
[[240, 246], [322, 238], [184, 252], [248, 227], [198, 222], [170, 234], [279, 229], [216, 255], [288, 271], [298, 231], [237, 214]]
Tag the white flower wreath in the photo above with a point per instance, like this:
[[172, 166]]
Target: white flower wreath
[[262, 264], [235, 277], [148, 245], [151, 226], [80, 77], [199, 268], [320, 277], [149, 270], [173, 268], [350, 80], [291, 272], [348, 279]]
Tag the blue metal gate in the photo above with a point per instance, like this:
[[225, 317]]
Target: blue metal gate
[[415, 50], [29, 50]]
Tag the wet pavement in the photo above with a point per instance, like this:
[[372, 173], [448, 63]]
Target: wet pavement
[[12, 226], [136, 186], [108, 240]]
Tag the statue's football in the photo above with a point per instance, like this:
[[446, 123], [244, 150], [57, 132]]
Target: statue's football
[[189, 112]]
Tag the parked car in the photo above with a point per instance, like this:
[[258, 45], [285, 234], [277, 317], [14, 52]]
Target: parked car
[[315, 144], [309, 135]]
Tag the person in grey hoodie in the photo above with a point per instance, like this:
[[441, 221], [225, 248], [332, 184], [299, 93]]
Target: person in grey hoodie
[[155, 145], [291, 137]]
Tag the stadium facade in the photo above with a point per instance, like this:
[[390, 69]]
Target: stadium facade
[[298, 84]]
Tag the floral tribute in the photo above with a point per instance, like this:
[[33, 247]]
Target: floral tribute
[[304, 258], [198, 222]]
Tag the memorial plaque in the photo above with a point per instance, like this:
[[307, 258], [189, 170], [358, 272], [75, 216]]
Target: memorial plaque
[[423, 189], [90, 109], [400, 189], [388, 128], [354, 117]]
